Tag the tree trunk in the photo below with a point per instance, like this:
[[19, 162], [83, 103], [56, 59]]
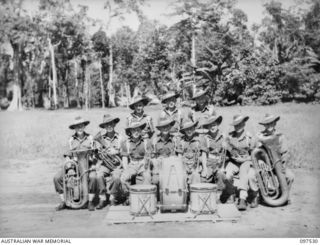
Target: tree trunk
[[16, 99], [128, 94], [193, 51], [66, 91], [110, 86], [54, 75], [101, 84], [77, 84], [16, 103], [86, 87]]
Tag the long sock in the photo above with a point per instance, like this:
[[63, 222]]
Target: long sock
[[91, 196], [61, 197], [102, 197], [243, 194]]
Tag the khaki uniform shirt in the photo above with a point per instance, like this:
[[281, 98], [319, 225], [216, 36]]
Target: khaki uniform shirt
[[239, 145], [76, 143], [164, 148], [215, 148], [136, 151], [114, 142], [190, 149]]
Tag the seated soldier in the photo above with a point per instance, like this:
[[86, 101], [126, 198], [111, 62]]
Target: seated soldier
[[136, 154], [239, 145], [164, 145], [269, 122], [138, 115], [214, 143], [79, 141], [108, 142], [192, 148]]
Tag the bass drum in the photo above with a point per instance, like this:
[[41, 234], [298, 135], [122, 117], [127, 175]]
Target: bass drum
[[173, 185]]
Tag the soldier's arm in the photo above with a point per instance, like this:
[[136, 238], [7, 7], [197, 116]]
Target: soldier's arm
[[124, 154], [284, 149], [151, 132]]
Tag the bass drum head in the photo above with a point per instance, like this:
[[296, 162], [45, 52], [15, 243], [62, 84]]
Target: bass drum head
[[173, 187]]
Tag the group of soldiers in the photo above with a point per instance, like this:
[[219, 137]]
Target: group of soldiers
[[193, 133]]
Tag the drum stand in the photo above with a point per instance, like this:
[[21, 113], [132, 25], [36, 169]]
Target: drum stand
[[204, 204], [143, 207]]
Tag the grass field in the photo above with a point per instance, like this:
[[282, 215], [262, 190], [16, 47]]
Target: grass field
[[41, 134]]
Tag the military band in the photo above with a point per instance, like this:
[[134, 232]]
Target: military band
[[208, 155]]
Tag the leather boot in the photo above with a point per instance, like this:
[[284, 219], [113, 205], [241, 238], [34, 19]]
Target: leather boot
[[91, 206], [61, 206], [101, 204], [242, 205]]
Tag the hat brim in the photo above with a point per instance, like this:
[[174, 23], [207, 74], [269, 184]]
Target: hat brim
[[116, 120], [166, 124], [246, 118], [199, 95], [128, 129], [195, 124], [85, 123], [172, 96], [145, 102], [209, 122], [270, 120]]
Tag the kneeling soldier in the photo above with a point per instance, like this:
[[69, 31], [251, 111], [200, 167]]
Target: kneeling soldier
[[136, 154], [269, 122], [214, 143], [239, 145], [192, 148], [108, 143], [79, 141]]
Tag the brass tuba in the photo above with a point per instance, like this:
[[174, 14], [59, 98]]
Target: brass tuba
[[268, 165], [75, 179]]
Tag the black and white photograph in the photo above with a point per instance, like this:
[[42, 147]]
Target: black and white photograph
[[159, 119]]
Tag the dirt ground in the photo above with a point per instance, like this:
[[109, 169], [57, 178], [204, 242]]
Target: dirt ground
[[27, 210]]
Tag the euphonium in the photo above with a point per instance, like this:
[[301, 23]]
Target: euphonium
[[110, 161], [75, 179], [268, 165]]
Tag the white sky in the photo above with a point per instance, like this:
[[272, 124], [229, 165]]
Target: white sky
[[157, 9]]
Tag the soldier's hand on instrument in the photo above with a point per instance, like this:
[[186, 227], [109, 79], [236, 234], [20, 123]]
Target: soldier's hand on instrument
[[112, 151]]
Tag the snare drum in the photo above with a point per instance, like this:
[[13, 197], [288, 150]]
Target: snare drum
[[173, 186], [203, 198], [143, 200]]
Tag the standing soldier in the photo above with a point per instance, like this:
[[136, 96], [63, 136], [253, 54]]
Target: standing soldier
[[138, 115], [171, 111], [79, 141], [192, 148], [269, 122], [164, 145], [108, 144], [136, 154], [214, 143], [239, 144]]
